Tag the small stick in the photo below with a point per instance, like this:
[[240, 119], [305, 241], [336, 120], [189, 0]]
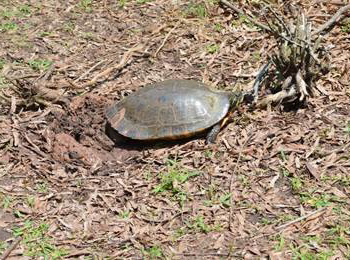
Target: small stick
[[166, 38], [240, 12], [301, 218], [120, 65], [89, 70], [8, 251], [332, 20], [280, 20]]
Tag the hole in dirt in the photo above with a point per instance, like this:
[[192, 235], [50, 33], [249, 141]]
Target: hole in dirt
[[34, 107], [77, 137]]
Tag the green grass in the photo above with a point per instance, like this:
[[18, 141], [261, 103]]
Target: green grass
[[280, 246], [23, 10], [345, 27], [122, 3], [296, 184], [5, 201], [347, 128], [213, 48], [196, 10], [198, 224], [140, 2], [2, 64], [173, 179], [8, 26], [124, 214], [154, 252], [86, 5], [39, 65], [242, 19], [194, 225], [215, 198], [41, 187], [304, 253], [36, 242], [319, 200], [3, 246], [217, 27]]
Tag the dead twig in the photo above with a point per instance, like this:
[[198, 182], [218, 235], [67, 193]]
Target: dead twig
[[89, 70], [119, 66], [335, 18], [301, 218], [8, 251], [166, 38], [240, 12]]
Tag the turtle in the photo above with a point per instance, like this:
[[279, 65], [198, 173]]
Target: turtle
[[171, 110]]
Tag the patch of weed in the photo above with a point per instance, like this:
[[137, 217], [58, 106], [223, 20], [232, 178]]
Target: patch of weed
[[24, 10], [86, 5], [305, 253], [124, 214], [341, 180], [8, 26], [173, 179], [345, 28], [6, 201], [245, 181], [3, 246], [256, 56], [140, 2], [69, 27], [242, 19], [44, 34], [196, 10], [213, 48], [122, 3], [208, 153], [337, 235], [347, 128], [153, 253], [37, 243], [283, 156], [39, 65], [296, 183], [198, 224], [87, 35], [218, 27], [41, 188], [280, 244], [318, 200], [31, 201], [225, 200], [2, 64], [7, 13]]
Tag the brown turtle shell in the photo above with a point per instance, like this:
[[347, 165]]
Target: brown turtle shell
[[171, 109]]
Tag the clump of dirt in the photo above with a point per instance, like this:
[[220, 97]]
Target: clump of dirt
[[79, 133]]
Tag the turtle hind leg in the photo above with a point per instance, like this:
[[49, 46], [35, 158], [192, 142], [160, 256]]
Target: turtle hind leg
[[213, 133]]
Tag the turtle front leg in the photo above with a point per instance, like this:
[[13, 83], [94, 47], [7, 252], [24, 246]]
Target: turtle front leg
[[213, 133]]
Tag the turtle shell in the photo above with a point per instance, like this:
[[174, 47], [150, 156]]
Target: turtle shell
[[171, 109]]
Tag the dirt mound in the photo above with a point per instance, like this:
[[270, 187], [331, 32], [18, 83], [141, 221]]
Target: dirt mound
[[79, 133]]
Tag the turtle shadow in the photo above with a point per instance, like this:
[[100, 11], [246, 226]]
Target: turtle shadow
[[126, 143]]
